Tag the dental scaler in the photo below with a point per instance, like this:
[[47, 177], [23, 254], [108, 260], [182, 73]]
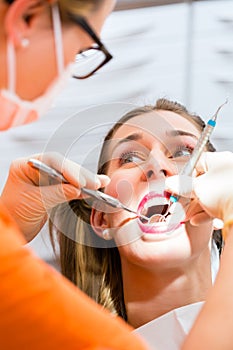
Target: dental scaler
[[197, 152], [97, 195]]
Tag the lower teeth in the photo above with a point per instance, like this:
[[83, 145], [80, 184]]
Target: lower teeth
[[157, 218]]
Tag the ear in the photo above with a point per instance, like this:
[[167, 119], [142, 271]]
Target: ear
[[98, 222], [18, 19]]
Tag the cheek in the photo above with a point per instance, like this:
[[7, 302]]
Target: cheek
[[199, 236], [74, 40], [122, 187]]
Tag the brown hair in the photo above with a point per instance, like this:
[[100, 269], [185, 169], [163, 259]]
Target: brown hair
[[78, 7], [85, 258]]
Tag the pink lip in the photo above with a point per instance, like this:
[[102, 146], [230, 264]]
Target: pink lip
[[159, 228]]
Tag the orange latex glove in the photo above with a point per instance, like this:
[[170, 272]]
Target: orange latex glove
[[212, 186], [28, 195]]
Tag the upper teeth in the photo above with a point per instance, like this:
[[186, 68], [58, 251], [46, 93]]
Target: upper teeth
[[155, 201]]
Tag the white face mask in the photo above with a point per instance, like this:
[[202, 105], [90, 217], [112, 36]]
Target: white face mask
[[13, 110]]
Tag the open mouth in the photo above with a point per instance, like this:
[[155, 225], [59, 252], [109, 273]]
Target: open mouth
[[154, 210], [155, 207]]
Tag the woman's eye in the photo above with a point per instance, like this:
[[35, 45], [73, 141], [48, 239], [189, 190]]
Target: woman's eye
[[131, 157], [183, 151]]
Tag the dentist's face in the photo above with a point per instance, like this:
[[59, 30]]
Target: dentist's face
[[142, 153], [36, 66]]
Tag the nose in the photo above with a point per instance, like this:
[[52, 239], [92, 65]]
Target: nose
[[158, 166]]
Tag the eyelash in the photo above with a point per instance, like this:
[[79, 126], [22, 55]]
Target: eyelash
[[181, 148], [125, 155]]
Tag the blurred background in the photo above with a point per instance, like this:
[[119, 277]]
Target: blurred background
[[181, 50]]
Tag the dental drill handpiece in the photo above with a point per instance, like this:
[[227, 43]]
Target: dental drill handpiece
[[197, 152], [98, 195]]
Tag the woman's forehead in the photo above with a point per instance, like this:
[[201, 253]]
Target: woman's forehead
[[157, 124]]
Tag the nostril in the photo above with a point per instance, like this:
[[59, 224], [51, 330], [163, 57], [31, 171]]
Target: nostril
[[150, 173]]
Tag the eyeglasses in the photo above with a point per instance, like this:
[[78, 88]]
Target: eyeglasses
[[90, 60]]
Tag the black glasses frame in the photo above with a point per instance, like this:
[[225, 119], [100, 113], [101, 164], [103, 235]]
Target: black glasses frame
[[81, 21]]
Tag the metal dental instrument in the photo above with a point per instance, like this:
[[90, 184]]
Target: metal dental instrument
[[100, 196], [197, 152]]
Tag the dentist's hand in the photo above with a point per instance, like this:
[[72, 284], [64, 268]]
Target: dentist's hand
[[29, 196], [213, 186]]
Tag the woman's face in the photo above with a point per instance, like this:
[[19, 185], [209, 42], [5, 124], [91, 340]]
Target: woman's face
[[142, 153]]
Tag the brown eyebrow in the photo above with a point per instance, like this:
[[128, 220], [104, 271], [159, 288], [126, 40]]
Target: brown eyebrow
[[138, 136], [175, 133], [132, 137]]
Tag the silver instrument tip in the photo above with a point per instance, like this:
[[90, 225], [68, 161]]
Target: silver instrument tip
[[220, 107]]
